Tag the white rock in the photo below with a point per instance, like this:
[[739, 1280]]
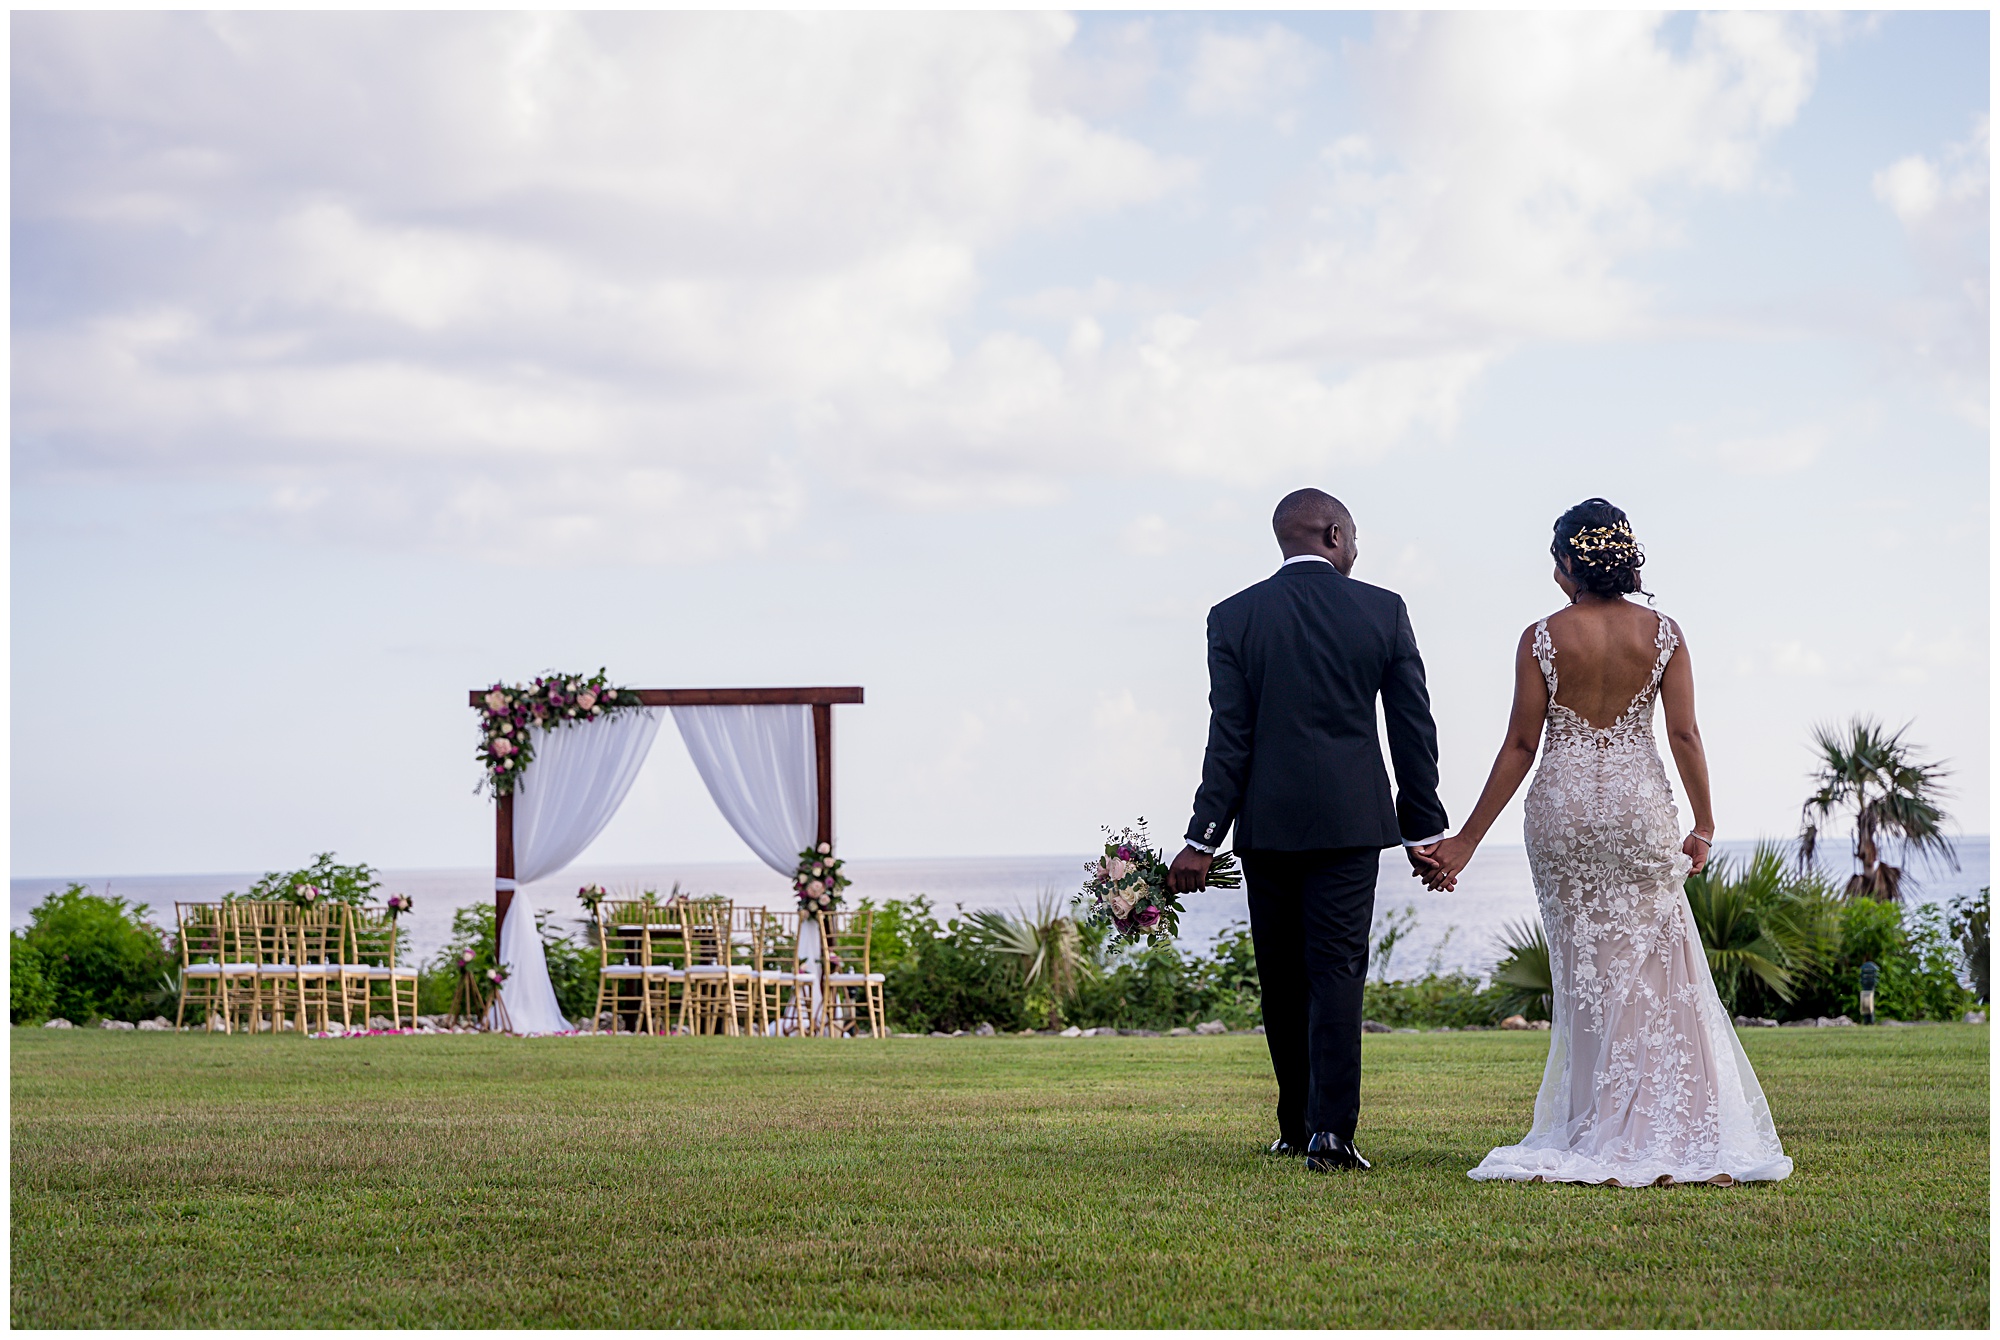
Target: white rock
[[1375, 1026], [155, 1026], [1515, 1023], [1180, 1032], [377, 1021], [58, 1023], [119, 1024], [1212, 1026], [1071, 1032], [983, 1031], [1975, 1017]]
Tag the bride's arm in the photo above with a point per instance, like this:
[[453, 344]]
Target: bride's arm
[[1517, 755], [1684, 738]]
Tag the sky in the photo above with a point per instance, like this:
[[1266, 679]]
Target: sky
[[363, 359]]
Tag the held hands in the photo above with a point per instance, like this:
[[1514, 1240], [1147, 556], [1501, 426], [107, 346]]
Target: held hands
[[1189, 872], [1446, 859]]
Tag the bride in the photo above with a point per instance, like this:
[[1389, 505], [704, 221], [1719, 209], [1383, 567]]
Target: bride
[[1646, 1082]]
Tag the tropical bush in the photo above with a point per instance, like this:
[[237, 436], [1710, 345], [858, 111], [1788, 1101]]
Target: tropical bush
[[98, 957], [351, 884], [31, 993], [1867, 772], [1968, 928], [1766, 928], [1443, 1000], [1523, 982]]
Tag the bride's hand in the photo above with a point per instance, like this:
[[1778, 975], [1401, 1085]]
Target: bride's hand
[[1447, 859], [1696, 849]]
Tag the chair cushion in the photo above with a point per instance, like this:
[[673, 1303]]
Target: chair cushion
[[622, 970], [202, 970], [662, 970], [240, 969], [854, 978], [721, 970]]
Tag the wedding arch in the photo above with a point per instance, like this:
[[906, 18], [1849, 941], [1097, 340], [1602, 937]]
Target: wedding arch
[[766, 756]]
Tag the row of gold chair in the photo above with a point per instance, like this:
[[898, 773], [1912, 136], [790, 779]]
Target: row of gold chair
[[272, 966], [704, 965]]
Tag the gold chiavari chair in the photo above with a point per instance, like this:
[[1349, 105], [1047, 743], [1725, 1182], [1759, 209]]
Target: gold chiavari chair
[[264, 941], [668, 956], [622, 988], [719, 987], [853, 989], [319, 943], [369, 969], [786, 989], [204, 937]]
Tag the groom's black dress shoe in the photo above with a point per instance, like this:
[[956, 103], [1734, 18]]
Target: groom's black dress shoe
[[1326, 1152], [1284, 1149]]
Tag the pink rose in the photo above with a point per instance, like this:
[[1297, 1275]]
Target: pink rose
[[826, 849], [503, 746], [815, 888], [586, 701], [496, 701], [1148, 918]]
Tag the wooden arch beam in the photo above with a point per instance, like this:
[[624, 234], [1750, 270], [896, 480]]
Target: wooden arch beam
[[821, 700]]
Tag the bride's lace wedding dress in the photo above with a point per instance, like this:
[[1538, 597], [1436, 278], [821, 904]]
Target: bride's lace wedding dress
[[1646, 1081]]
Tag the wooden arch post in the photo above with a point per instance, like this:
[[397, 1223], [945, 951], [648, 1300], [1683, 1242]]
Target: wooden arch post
[[821, 701]]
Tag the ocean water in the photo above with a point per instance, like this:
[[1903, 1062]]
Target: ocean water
[[1452, 931]]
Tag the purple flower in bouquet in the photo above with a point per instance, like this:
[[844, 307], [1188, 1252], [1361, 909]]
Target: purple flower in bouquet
[[1148, 918]]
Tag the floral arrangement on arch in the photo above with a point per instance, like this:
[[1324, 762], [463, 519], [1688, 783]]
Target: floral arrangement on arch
[[507, 712], [818, 881], [1127, 889]]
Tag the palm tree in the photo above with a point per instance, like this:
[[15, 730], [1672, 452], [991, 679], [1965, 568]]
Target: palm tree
[[1045, 946], [1890, 792]]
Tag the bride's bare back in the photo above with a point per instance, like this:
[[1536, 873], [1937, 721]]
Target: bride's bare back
[[1605, 651]]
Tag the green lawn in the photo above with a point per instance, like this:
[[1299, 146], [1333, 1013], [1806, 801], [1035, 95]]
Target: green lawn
[[170, 1180]]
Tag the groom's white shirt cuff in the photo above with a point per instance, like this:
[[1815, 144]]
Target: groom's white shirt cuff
[[1425, 842]]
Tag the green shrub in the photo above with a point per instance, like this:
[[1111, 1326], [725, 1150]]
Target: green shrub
[[1438, 1000], [943, 978], [32, 995], [1968, 927], [99, 956], [351, 884]]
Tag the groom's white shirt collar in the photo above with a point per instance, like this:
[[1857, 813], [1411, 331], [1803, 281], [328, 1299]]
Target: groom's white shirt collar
[[1316, 558]]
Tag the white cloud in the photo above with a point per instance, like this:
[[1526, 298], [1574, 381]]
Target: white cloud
[[556, 287], [1944, 204], [1235, 74]]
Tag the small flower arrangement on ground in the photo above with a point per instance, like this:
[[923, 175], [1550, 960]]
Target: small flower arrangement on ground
[[818, 881], [1127, 889], [508, 712], [498, 974], [398, 904]]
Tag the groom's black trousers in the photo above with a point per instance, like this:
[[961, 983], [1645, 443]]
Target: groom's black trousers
[[1309, 917]]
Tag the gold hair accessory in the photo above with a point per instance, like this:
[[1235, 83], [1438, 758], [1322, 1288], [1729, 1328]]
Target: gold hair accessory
[[1598, 543]]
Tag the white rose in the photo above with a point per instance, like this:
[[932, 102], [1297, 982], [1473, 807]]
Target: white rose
[[1121, 903]]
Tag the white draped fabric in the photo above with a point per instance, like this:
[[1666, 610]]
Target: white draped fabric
[[760, 766], [578, 778]]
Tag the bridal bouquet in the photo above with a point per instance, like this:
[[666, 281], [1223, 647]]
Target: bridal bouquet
[[1127, 889]]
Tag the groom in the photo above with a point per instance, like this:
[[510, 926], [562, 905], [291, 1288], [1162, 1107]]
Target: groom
[[1294, 667]]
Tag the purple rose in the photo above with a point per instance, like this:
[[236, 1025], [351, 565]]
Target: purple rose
[[1124, 853], [1149, 917]]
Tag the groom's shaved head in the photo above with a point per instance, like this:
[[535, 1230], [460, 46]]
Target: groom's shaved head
[[1303, 517]]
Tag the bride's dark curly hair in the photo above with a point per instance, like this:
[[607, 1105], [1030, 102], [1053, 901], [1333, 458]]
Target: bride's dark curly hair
[[1596, 540]]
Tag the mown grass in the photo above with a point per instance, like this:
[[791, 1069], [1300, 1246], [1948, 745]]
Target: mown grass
[[189, 1181]]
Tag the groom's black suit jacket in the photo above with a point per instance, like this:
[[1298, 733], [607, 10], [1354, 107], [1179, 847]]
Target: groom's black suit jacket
[[1294, 665]]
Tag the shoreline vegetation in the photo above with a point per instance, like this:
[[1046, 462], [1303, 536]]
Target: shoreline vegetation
[[1784, 947]]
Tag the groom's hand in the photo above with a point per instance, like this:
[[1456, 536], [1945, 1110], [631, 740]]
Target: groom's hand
[[1189, 872]]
